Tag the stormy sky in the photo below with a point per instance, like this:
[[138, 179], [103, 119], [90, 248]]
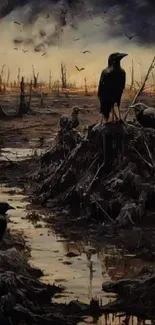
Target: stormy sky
[[63, 29]]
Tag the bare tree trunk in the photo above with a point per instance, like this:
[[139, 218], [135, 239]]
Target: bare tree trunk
[[35, 78], [132, 76], [30, 97], [63, 76], [8, 78], [18, 77], [41, 98], [153, 79], [50, 80], [22, 96], [85, 85]]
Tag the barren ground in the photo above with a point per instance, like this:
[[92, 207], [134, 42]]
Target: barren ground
[[37, 130]]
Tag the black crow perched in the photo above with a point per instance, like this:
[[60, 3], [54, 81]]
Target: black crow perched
[[111, 85], [71, 121], [4, 207], [145, 115]]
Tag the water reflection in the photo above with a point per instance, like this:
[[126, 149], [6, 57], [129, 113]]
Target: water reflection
[[82, 272], [116, 319]]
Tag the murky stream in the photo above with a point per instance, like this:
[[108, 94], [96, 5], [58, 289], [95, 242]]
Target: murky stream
[[83, 274]]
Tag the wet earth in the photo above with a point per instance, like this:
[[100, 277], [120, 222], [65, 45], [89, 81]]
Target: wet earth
[[79, 267]]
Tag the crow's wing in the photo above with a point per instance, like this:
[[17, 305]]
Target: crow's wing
[[103, 81]]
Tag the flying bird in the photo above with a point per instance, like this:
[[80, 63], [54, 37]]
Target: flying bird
[[76, 39], [145, 115], [84, 52], [43, 54], [97, 25], [79, 69], [130, 37], [17, 23], [15, 48], [111, 85], [25, 51]]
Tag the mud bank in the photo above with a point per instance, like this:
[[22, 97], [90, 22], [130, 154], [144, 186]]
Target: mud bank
[[106, 177]]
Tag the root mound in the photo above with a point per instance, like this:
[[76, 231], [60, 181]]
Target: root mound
[[107, 176], [135, 296]]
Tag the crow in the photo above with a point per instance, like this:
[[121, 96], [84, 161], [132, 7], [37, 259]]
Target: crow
[[145, 115], [111, 85], [79, 69], [4, 207], [71, 121]]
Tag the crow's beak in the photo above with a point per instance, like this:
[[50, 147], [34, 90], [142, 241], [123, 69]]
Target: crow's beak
[[122, 55], [11, 208]]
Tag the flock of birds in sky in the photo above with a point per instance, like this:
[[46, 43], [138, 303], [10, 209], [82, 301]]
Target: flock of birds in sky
[[63, 22]]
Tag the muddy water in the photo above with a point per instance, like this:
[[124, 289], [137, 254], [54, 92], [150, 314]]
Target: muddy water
[[83, 273]]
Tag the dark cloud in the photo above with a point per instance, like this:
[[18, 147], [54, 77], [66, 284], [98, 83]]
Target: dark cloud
[[123, 16]]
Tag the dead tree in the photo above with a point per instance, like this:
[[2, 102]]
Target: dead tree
[[41, 98], [35, 78], [50, 80], [152, 65], [30, 97], [63, 76], [85, 86], [132, 76], [58, 88], [1, 78], [18, 77], [8, 78], [22, 96], [153, 79]]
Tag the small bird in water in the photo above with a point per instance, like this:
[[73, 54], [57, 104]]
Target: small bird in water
[[111, 85], [71, 121], [145, 115], [4, 207]]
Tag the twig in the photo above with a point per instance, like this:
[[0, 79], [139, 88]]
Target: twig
[[141, 88], [98, 204], [74, 186], [149, 153], [146, 162], [11, 162], [24, 127], [94, 178]]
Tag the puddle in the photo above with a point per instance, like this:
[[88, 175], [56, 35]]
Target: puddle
[[83, 273], [19, 154], [74, 265]]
